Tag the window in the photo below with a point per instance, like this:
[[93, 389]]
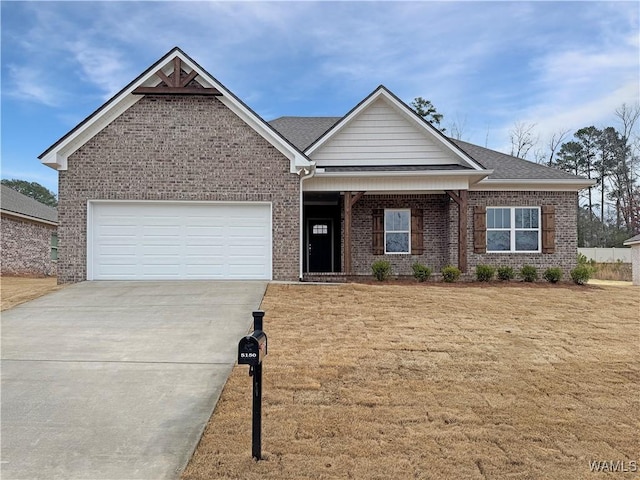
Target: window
[[54, 246], [320, 229], [397, 231], [514, 229]]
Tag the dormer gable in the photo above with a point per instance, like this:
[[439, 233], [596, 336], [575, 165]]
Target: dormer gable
[[382, 131]]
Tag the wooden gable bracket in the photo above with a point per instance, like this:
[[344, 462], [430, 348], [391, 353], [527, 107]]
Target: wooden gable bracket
[[349, 201], [462, 199], [176, 84]]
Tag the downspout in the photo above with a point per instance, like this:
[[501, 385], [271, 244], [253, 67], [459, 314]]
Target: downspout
[[305, 174]]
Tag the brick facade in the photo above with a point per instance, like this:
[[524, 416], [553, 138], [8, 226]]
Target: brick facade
[[436, 234], [440, 220], [26, 247], [177, 148], [566, 218]]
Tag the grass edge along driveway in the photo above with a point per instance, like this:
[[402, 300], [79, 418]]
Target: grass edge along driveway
[[436, 381]]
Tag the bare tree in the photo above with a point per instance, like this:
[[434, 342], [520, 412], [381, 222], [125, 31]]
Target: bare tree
[[628, 116], [457, 127], [522, 139], [555, 141]]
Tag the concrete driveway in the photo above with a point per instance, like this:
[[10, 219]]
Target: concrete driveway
[[116, 380]]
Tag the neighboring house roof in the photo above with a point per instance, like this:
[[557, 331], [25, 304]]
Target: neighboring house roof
[[633, 240], [303, 131], [15, 203], [158, 74]]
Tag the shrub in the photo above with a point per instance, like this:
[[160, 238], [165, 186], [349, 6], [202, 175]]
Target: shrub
[[529, 273], [583, 260], [485, 273], [506, 273], [581, 274], [450, 273], [421, 272], [381, 269], [552, 274]]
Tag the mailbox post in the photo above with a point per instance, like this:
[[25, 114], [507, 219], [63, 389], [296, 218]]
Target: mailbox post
[[251, 351]]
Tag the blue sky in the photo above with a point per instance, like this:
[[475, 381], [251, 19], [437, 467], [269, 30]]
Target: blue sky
[[484, 65]]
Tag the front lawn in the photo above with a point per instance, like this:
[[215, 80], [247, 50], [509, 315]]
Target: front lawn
[[436, 381]]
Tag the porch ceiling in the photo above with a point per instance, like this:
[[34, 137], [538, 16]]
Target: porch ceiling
[[390, 181]]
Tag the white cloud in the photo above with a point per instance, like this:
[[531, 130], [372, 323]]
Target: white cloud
[[102, 66], [27, 83]]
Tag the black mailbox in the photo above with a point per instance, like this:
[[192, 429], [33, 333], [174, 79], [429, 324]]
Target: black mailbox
[[252, 348]]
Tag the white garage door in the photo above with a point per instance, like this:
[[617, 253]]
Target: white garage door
[[178, 240]]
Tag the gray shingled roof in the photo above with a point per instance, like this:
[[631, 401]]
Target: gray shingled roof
[[303, 131], [507, 167], [15, 202]]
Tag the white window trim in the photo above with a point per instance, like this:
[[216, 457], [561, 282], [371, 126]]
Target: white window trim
[[408, 232], [513, 230]]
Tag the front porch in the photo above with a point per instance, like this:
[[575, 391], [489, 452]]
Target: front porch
[[344, 233]]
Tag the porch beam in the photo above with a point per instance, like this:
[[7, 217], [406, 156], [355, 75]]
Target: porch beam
[[356, 197], [462, 199], [347, 232]]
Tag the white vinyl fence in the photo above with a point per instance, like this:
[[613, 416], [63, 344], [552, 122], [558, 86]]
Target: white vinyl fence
[[607, 255]]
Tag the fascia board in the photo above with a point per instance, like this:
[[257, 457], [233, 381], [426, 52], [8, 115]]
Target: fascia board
[[28, 217], [533, 184], [57, 157], [343, 122], [403, 110], [410, 174], [411, 116], [297, 159], [232, 102]]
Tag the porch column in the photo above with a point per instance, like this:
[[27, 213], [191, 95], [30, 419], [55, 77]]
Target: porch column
[[349, 201], [462, 199]]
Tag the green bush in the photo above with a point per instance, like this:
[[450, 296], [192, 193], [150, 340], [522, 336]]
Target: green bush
[[450, 273], [485, 273], [381, 269], [552, 274], [581, 274], [506, 274], [421, 272], [529, 273], [583, 260]]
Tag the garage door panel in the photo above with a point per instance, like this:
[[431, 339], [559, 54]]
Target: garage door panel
[[204, 231], [117, 250], [118, 230], [114, 260], [169, 240]]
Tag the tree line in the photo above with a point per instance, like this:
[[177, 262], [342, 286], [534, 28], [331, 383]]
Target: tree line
[[609, 211]]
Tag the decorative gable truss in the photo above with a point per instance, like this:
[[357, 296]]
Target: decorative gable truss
[[177, 84], [174, 74]]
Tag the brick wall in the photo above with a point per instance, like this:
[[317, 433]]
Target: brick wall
[[441, 231], [436, 234], [177, 148], [26, 247], [565, 255]]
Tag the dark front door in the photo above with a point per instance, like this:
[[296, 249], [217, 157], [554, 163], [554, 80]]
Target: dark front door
[[320, 245]]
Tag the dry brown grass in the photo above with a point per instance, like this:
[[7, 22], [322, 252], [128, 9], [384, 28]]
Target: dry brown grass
[[613, 271], [436, 381], [17, 290]]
